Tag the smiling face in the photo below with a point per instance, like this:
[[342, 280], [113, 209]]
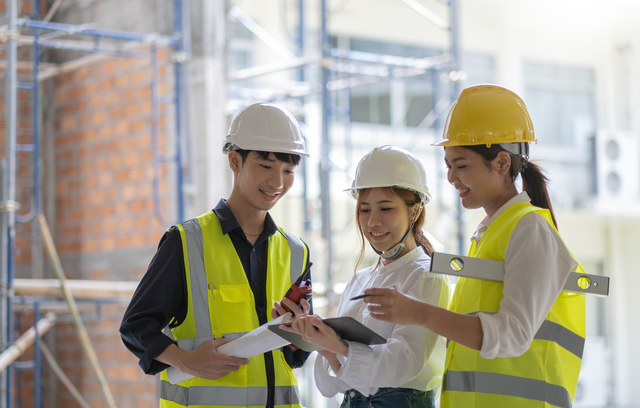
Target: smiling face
[[479, 183], [259, 183], [384, 218]]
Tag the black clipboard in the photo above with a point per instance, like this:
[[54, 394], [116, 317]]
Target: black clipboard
[[347, 328]]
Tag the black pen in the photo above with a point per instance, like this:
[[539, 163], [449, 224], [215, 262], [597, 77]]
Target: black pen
[[364, 296], [360, 297]]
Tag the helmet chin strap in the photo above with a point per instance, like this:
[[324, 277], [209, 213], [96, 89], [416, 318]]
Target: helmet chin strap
[[395, 252]]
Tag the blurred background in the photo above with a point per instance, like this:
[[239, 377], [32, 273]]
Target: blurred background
[[113, 114]]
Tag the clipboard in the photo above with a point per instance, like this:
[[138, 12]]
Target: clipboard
[[347, 328]]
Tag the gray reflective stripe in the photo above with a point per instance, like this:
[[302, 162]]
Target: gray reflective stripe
[[565, 338], [199, 294], [233, 336], [167, 332], [227, 396], [297, 255], [557, 333], [508, 385], [194, 342]]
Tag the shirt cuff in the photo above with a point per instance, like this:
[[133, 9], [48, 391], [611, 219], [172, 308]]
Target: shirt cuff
[[356, 371], [490, 339], [327, 384], [148, 361]]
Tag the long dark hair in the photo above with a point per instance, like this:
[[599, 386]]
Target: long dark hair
[[410, 199], [534, 182]]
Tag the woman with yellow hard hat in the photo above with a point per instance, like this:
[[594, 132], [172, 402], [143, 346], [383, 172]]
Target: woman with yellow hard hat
[[516, 343]]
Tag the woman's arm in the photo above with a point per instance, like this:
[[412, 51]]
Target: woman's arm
[[392, 306], [408, 349], [537, 264]]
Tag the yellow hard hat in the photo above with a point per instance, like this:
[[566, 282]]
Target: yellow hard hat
[[487, 114]]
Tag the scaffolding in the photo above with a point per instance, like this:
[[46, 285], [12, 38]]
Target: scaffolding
[[341, 70], [45, 34]]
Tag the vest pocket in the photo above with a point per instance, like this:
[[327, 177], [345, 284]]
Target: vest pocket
[[232, 309], [235, 293]]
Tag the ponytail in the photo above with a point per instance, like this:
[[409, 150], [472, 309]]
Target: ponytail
[[534, 182]]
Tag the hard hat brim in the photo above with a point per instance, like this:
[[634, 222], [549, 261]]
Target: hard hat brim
[[353, 192], [452, 143]]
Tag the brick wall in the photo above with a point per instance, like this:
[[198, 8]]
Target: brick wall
[[104, 157], [105, 227], [105, 207], [96, 127]]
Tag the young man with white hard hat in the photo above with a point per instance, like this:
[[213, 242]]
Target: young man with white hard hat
[[222, 274]]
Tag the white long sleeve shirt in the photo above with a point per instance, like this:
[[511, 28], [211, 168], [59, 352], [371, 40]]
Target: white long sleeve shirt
[[537, 264], [413, 356]]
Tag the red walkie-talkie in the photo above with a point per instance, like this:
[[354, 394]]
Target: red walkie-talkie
[[301, 289]]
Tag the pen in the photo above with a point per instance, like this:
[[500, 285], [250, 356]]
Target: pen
[[359, 297], [364, 296]]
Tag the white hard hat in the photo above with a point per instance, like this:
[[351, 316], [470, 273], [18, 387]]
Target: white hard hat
[[390, 166], [265, 127]]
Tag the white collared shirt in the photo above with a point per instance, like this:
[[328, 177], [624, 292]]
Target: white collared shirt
[[413, 356], [537, 264]]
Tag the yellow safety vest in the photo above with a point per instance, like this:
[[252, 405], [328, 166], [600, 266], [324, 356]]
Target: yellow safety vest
[[546, 375], [221, 304]]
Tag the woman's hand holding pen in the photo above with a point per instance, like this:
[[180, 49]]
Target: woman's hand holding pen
[[313, 330], [389, 305], [298, 311]]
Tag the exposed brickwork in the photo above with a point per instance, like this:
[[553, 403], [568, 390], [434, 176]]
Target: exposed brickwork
[[105, 158], [103, 207]]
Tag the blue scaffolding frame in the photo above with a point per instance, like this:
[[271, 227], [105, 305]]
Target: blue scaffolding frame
[[329, 61], [178, 41]]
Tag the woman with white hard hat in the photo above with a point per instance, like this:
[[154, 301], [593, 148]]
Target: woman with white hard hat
[[517, 342], [391, 189]]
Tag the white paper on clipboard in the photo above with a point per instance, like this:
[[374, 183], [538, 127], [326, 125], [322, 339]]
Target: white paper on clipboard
[[255, 342]]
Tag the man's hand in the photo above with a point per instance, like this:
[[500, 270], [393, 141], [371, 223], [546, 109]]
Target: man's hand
[[204, 362], [298, 311]]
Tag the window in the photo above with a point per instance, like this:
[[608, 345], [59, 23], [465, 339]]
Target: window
[[406, 102], [561, 102]]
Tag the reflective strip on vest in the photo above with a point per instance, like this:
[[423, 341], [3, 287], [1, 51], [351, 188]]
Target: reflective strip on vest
[[297, 255], [222, 395], [195, 249], [557, 333], [508, 385], [233, 336], [199, 294], [194, 342], [227, 396]]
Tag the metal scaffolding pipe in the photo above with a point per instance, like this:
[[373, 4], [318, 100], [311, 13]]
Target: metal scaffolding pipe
[[77, 319], [454, 52], [426, 13], [17, 349], [62, 376], [86, 29], [84, 289], [325, 163], [261, 33], [9, 205]]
